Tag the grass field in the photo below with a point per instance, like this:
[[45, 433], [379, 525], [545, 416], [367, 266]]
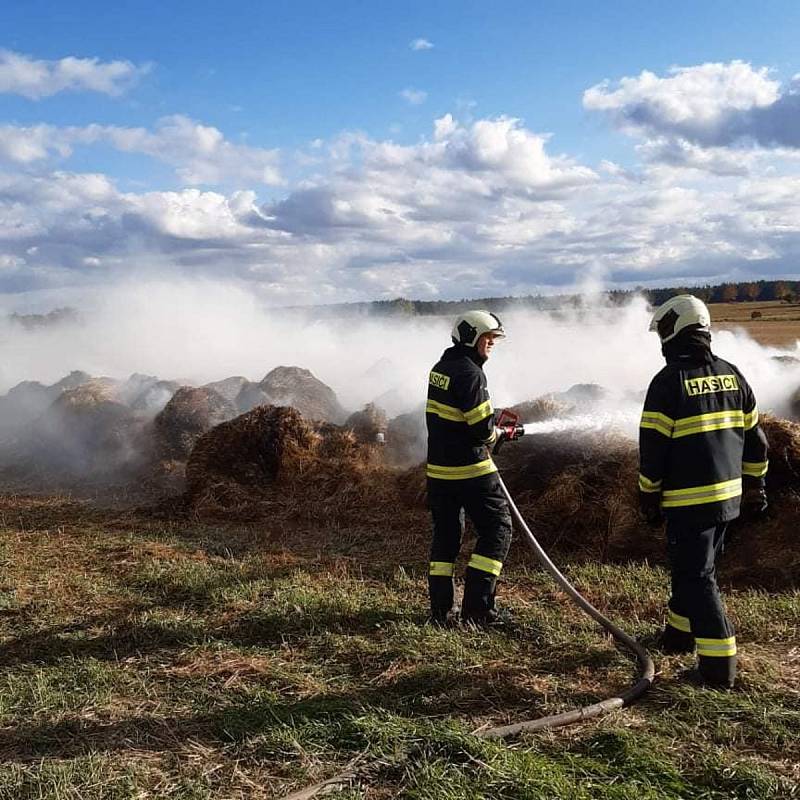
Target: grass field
[[147, 658], [779, 324]]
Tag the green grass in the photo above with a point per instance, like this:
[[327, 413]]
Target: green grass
[[142, 660]]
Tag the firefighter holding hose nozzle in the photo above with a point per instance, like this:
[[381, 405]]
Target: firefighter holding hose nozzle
[[702, 460], [462, 476]]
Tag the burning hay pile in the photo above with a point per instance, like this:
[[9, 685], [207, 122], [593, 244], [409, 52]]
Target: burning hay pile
[[578, 492], [271, 458], [186, 417], [85, 433], [295, 387]]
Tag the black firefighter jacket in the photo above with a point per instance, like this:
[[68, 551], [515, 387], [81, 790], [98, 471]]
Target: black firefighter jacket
[[459, 416], [699, 439]]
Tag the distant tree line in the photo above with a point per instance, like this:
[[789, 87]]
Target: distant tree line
[[786, 291], [750, 291], [57, 316]]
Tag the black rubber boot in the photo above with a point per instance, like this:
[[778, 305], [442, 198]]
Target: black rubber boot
[[478, 603], [671, 641], [719, 672]]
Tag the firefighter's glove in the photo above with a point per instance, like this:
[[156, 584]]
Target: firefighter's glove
[[754, 503], [650, 506]]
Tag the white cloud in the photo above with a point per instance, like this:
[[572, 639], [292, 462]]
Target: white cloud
[[479, 208], [37, 78], [200, 153], [414, 97], [710, 106], [420, 44]]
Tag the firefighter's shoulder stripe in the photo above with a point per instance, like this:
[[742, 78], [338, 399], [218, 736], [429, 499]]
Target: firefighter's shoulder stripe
[[710, 384], [751, 419], [461, 473], [439, 380]]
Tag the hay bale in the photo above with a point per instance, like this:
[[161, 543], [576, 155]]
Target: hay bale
[[296, 387], [250, 396], [86, 433], [548, 406], [406, 439], [186, 417], [154, 397], [229, 388], [272, 455], [784, 453], [584, 396], [367, 424]]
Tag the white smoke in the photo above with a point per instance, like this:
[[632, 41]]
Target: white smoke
[[199, 332]]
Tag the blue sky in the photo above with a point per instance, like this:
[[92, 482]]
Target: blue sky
[[295, 148]]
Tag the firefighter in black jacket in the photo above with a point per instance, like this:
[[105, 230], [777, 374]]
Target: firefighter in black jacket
[[702, 456], [461, 473]]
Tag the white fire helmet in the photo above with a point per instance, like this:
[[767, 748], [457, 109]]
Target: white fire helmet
[[677, 313], [470, 325]]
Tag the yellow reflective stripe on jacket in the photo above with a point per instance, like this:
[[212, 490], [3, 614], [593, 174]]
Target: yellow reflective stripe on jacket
[[719, 648], [461, 473], [646, 485], [479, 412], [696, 495], [444, 568], [658, 422], [713, 421], [485, 564], [751, 419], [678, 622], [445, 412], [755, 469]]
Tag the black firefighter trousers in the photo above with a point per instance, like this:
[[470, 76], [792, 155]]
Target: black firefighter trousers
[[483, 501], [696, 616]]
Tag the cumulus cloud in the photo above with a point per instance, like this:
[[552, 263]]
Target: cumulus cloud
[[711, 105], [420, 44], [200, 153], [36, 78], [474, 209], [414, 97]]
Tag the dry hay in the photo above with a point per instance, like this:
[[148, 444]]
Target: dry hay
[[406, 439], [27, 400], [85, 433], [271, 459], [794, 403], [547, 406], [784, 453], [578, 493], [577, 490], [296, 387], [367, 423], [229, 388], [188, 415]]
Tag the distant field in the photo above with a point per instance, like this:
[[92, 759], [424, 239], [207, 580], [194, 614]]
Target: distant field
[[779, 324]]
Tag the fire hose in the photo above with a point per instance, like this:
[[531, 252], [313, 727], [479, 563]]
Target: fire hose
[[510, 429]]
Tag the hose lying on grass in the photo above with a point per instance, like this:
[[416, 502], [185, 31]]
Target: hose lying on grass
[[625, 698], [642, 684]]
